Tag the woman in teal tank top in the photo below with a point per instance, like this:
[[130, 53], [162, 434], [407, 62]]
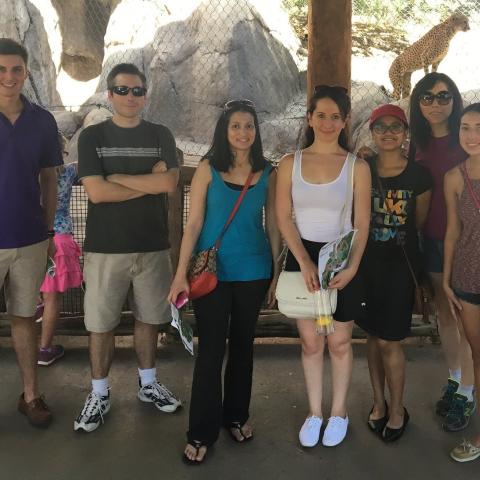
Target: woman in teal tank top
[[244, 270]]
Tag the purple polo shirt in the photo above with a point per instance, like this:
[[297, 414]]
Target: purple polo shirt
[[25, 148]]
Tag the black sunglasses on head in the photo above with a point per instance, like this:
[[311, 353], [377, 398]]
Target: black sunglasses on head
[[443, 98], [319, 89], [238, 103], [123, 90]]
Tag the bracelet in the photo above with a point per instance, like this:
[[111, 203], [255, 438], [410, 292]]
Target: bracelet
[[50, 233]]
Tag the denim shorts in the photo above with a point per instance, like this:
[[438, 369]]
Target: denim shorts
[[432, 254], [473, 298]]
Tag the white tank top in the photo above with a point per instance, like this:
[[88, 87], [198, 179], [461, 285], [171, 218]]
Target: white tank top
[[318, 207]]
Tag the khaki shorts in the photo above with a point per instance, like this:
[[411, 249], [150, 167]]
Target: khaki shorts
[[22, 270], [111, 278]]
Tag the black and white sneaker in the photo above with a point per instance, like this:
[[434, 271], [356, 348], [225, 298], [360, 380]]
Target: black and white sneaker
[[160, 396], [95, 408]]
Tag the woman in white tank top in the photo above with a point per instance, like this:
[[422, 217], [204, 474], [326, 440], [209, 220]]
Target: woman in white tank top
[[312, 184]]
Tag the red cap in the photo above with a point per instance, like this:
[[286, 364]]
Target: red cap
[[388, 110]]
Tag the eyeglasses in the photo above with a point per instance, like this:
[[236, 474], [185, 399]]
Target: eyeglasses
[[443, 98], [238, 103], [123, 90], [319, 89], [381, 128]]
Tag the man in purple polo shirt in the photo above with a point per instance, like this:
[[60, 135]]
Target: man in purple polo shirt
[[29, 153]]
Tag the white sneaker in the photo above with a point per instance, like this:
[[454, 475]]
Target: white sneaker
[[335, 432], [160, 396], [91, 417], [310, 431]]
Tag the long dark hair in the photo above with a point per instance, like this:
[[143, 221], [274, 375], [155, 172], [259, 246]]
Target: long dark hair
[[420, 129], [340, 97], [220, 154]]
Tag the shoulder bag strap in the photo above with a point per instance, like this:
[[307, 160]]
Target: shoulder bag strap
[[349, 197], [234, 210], [382, 193], [467, 180]]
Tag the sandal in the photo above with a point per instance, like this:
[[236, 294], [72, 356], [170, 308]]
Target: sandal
[[197, 445], [238, 428]]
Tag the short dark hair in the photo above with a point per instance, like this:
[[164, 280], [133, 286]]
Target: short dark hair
[[129, 69], [420, 129], [340, 96], [11, 47], [220, 154]]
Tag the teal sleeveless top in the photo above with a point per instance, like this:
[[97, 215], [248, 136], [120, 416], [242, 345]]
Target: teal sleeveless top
[[245, 252]]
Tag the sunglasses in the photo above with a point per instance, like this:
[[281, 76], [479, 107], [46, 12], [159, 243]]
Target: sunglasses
[[319, 89], [123, 90], [238, 103], [443, 98], [382, 128]]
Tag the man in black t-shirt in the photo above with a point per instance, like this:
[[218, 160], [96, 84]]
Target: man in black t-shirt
[[127, 167]]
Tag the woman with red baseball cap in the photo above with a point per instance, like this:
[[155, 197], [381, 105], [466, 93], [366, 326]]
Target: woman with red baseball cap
[[400, 201]]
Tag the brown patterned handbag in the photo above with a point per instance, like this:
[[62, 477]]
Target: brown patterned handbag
[[202, 269]]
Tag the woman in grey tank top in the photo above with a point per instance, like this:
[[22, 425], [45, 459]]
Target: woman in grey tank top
[[313, 189]]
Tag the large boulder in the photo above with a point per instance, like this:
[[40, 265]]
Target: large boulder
[[196, 67], [83, 25], [67, 122], [21, 21]]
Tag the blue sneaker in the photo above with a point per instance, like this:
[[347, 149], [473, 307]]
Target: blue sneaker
[[444, 405], [460, 412]]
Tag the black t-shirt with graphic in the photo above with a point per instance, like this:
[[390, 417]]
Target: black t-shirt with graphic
[[132, 226], [392, 221]]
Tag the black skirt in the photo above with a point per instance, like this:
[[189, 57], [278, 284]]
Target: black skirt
[[390, 296]]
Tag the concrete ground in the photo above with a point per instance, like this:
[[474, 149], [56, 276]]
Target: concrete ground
[[138, 442]]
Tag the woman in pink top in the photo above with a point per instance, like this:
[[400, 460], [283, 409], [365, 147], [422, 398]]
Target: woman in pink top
[[435, 108], [461, 276]]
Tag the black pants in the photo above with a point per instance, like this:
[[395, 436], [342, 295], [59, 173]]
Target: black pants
[[231, 310]]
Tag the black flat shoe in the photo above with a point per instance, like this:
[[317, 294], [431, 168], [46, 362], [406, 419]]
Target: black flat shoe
[[393, 434], [378, 424]]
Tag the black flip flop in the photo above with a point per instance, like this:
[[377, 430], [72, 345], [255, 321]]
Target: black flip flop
[[197, 444], [236, 426]]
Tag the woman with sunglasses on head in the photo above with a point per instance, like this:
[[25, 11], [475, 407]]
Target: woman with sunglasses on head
[[400, 201], [244, 270], [461, 274], [313, 183], [435, 108]]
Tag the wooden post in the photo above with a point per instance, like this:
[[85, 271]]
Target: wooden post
[[329, 43]]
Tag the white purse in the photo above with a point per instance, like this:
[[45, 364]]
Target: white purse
[[294, 300]]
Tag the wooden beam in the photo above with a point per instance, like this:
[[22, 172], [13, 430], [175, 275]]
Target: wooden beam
[[329, 43]]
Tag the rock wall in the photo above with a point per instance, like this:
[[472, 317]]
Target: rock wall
[[196, 55], [21, 21]]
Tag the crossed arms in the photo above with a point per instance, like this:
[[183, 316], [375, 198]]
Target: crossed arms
[[121, 187]]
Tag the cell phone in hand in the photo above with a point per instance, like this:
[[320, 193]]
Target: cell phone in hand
[[181, 300]]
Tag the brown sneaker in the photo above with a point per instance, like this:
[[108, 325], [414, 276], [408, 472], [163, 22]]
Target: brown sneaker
[[36, 411]]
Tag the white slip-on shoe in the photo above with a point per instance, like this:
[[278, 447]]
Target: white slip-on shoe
[[335, 432], [310, 432]]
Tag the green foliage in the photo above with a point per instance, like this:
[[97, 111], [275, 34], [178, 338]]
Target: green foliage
[[384, 21], [400, 12]]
